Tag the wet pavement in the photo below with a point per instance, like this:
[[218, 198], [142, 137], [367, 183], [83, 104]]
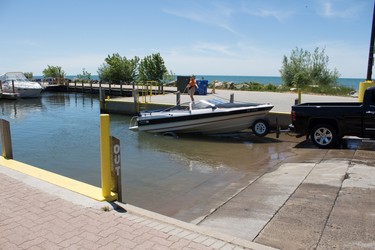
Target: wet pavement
[[189, 195], [326, 201], [249, 158]]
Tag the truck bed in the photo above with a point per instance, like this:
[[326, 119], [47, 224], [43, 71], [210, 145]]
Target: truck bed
[[346, 115], [330, 104]]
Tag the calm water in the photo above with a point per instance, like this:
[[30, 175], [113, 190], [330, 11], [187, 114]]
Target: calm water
[[60, 133]]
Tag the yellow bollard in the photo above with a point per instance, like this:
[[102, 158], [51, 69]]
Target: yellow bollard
[[105, 155], [299, 96], [362, 87]]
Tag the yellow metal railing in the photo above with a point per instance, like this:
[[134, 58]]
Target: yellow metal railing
[[147, 90]]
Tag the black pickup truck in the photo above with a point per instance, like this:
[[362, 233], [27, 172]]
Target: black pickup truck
[[326, 123]]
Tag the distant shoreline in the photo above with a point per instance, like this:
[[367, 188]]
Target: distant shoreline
[[276, 80]]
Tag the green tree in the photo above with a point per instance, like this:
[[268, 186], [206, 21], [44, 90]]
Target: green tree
[[28, 75], [85, 76], [152, 68], [119, 69], [320, 73], [303, 68], [103, 72], [54, 72], [169, 76]]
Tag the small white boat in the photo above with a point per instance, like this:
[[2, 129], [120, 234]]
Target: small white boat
[[205, 117], [16, 82]]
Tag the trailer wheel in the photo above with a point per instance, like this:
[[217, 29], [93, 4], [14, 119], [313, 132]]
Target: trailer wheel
[[324, 136], [260, 127]]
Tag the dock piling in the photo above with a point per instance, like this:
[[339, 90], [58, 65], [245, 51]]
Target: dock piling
[[135, 95], [7, 151]]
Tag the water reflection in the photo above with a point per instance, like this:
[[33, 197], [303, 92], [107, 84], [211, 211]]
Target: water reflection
[[18, 109], [56, 133], [237, 151]]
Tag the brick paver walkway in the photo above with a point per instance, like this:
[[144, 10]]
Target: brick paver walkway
[[33, 219]]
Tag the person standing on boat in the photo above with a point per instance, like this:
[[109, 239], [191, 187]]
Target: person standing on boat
[[191, 87]]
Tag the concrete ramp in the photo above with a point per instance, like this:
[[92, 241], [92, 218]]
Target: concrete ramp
[[248, 213], [352, 220], [300, 223]]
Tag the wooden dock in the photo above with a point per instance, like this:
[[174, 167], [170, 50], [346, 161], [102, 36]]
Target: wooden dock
[[113, 89], [9, 96]]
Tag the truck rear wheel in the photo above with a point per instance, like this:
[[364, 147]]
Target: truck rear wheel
[[324, 136]]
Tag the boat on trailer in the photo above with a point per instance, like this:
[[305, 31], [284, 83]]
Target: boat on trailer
[[211, 116]]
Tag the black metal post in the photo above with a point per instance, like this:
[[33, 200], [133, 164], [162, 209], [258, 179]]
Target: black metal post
[[116, 167], [371, 52]]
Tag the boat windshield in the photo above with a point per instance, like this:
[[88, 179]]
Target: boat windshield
[[202, 104], [17, 76], [205, 104]]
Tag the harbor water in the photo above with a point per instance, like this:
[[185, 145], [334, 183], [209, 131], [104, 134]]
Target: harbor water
[[59, 132]]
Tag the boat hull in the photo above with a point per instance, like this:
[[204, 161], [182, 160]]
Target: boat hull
[[29, 92], [212, 123]]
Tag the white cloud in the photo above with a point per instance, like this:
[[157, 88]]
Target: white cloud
[[330, 9], [279, 15], [327, 9], [248, 61], [218, 15]]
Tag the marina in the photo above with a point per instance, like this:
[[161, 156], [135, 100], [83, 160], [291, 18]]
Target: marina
[[128, 158]]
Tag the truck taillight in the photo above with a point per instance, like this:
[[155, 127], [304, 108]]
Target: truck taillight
[[293, 115]]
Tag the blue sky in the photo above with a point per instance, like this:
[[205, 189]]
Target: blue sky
[[203, 37]]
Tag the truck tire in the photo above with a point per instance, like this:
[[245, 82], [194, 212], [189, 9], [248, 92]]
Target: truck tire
[[260, 127], [324, 136]]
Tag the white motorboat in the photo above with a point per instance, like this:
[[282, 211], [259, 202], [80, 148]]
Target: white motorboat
[[16, 82], [205, 117]]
